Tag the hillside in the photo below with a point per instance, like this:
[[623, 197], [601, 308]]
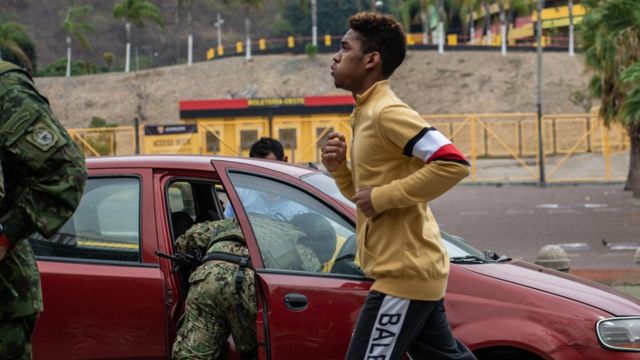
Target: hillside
[[43, 22], [456, 82]]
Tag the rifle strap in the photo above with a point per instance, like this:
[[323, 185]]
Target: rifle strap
[[243, 261]]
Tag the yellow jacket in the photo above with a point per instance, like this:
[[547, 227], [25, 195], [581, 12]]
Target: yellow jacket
[[408, 163]]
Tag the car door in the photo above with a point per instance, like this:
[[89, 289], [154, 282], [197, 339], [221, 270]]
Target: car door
[[303, 313], [103, 290]]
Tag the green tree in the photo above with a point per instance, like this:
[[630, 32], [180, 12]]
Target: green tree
[[136, 12], [109, 58], [611, 44], [16, 46], [466, 11], [75, 27]]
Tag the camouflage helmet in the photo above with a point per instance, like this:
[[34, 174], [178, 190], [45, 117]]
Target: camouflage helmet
[[320, 236]]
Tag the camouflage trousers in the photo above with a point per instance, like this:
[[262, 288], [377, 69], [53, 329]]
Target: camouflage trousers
[[211, 314], [15, 337]]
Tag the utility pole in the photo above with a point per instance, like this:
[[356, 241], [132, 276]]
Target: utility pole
[[571, 29], [218, 25], [542, 181], [314, 23]]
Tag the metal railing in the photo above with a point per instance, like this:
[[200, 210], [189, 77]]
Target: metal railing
[[500, 147]]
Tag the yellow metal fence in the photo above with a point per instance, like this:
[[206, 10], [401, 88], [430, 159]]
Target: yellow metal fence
[[501, 147]]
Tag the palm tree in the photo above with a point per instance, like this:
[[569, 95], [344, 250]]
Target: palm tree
[[188, 5], [571, 28], [519, 6], [425, 19], [12, 36], [466, 12], [74, 27], [486, 23], [611, 43], [442, 15], [136, 11], [247, 22]]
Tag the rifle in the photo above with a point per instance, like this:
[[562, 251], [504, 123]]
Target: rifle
[[180, 260]]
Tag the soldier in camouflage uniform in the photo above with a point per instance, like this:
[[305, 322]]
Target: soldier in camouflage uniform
[[42, 177], [213, 308]]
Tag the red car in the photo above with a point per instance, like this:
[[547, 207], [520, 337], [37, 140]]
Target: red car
[[108, 296]]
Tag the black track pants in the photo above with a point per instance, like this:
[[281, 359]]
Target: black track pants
[[388, 327]]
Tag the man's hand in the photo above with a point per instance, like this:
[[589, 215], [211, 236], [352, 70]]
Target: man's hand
[[362, 199], [3, 252], [334, 151]]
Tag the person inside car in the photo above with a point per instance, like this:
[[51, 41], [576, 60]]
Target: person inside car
[[261, 202]]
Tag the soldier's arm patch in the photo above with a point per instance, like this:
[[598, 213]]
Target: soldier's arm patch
[[37, 142], [43, 137]]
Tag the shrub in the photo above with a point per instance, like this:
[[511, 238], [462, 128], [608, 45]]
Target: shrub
[[311, 50]]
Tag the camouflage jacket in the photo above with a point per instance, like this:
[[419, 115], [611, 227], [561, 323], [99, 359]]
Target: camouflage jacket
[[278, 242], [43, 177]]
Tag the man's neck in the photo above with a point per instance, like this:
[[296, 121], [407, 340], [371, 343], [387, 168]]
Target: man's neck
[[367, 84]]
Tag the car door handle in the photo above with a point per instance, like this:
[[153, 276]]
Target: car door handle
[[296, 302]]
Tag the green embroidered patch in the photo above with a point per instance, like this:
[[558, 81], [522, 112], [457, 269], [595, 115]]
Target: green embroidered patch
[[43, 137]]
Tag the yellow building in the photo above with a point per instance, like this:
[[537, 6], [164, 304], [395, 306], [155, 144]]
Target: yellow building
[[231, 126]]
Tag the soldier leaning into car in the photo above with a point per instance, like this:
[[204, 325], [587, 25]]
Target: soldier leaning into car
[[216, 305], [42, 177]]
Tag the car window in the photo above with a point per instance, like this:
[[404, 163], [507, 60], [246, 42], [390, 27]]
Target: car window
[[327, 185], [286, 219], [105, 226], [181, 198], [191, 201]]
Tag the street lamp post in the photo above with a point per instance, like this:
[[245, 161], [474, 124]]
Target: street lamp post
[[314, 23], [218, 25], [542, 181]]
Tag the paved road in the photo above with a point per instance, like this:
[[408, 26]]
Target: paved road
[[518, 220]]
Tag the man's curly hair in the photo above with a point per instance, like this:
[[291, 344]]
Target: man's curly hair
[[381, 33], [265, 146]]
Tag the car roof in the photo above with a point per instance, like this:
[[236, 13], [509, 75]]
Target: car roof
[[191, 162]]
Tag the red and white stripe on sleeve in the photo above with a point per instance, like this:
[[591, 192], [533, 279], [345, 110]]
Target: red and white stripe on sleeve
[[429, 145]]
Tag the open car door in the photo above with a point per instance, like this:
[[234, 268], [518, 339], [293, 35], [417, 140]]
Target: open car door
[[302, 313]]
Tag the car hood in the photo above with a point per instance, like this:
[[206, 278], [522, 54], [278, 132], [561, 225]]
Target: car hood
[[561, 284]]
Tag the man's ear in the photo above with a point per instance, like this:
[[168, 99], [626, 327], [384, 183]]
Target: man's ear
[[372, 60], [285, 158]]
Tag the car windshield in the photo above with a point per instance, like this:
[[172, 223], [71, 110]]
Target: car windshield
[[459, 250]]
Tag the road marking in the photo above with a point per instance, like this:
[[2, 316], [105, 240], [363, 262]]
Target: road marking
[[606, 209], [548, 206], [483, 212], [519, 212], [595, 206], [563, 211], [623, 246], [575, 246]]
